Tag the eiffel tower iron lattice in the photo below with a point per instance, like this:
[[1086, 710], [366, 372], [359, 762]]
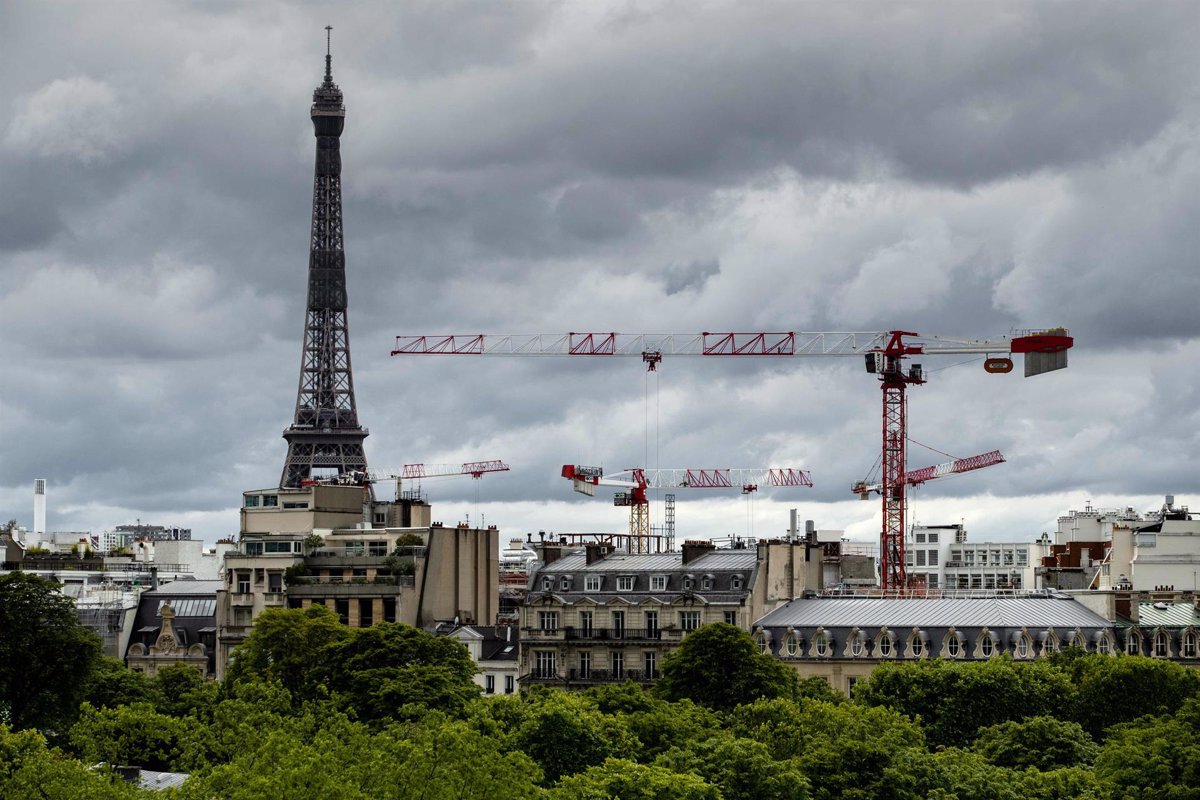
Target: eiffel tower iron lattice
[[325, 434]]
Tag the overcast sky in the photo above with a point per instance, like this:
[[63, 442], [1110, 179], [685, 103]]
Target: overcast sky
[[511, 167]]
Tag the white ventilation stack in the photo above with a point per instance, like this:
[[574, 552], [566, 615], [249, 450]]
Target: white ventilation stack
[[39, 505]]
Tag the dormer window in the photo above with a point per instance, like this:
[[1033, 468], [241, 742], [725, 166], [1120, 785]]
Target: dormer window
[[658, 583], [564, 584], [625, 583], [591, 583], [547, 583], [689, 582], [736, 583], [706, 583]]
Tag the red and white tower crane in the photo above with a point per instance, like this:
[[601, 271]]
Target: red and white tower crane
[[1044, 350], [637, 480], [369, 477]]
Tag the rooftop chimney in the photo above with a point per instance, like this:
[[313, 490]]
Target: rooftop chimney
[[597, 551], [693, 549]]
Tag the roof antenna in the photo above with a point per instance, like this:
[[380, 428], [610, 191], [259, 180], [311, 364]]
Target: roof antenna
[[328, 57]]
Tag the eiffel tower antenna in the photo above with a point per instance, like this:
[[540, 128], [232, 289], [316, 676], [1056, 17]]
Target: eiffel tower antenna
[[325, 434]]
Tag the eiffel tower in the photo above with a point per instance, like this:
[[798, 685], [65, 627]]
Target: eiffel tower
[[325, 434]]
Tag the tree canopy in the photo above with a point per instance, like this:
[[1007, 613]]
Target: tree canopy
[[719, 666], [46, 656]]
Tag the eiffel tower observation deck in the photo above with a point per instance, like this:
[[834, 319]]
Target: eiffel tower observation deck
[[325, 436]]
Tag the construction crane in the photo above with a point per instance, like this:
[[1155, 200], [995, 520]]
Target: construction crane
[[367, 478], [1044, 350], [918, 476], [638, 480]]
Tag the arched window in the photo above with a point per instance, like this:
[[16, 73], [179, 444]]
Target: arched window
[[885, 645], [1189, 644], [986, 646], [764, 644], [918, 647], [1133, 643], [1161, 648], [1023, 647], [821, 643], [953, 646], [1079, 641], [1103, 645], [790, 645], [856, 646]]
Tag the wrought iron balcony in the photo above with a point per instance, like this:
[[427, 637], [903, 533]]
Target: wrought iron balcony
[[614, 634]]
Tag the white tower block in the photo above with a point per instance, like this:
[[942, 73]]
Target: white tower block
[[39, 505]]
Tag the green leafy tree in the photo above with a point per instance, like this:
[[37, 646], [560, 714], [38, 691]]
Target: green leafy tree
[[848, 751], [382, 670], [1044, 743], [1142, 685], [46, 656], [626, 780], [955, 699], [1069, 783], [969, 776], [182, 690], [1154, 758], [434, 759], [741, 768], [566, 734], [135, 734], [30, 769], [113, 684], [289, 646], [719, 667]]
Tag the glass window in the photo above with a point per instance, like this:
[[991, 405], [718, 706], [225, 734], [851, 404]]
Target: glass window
[[1023, 647], [651, 623], [764, 646], [790, 644], [625, 583], [1160, 645], [251, 501], [243, 582], [254, 548], [564, 584], [933, 538], [591, 583], [618, 664], [389, 609], [658, 583], [366, 612], [736, 583], [651, 662], [918, 646], [278, 547], [377, 548], [547, 583], [274, 581], [585, 663], [933, 558], [731, 618], [822, 644], [920, 538], [544, 664], [548, 620], [585, 623], [856, 646], [689, 620], [953, 647], [618, 623], [986, 647], [489, 684], [509, 684], [355, 548], [1189, 645], [270, 500], [1103, 646], [1133, 645], [885, 646]]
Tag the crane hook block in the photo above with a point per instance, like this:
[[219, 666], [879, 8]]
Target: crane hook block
[[998, 365]]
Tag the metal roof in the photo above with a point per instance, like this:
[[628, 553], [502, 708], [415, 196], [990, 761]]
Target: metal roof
[[1171, 615], [942, 612]]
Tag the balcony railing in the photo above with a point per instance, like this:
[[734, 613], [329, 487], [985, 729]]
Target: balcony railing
[[593, 676], [615, 634]]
